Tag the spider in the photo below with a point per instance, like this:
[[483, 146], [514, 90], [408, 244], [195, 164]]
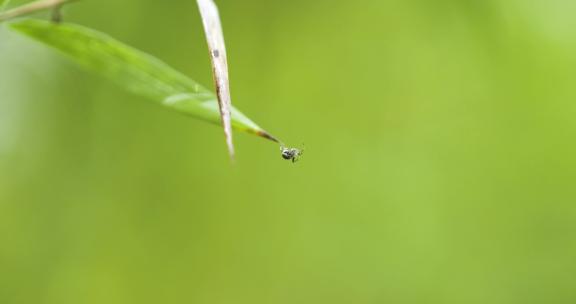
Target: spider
[[292, 154]]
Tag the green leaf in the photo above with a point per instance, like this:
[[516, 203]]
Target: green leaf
[[134, 70]]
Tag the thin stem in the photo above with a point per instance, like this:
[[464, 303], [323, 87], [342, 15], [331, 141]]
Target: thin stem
[[57, 13], [33, 7]]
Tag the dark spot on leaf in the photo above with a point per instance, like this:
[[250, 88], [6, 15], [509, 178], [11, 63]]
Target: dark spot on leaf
[[216, 53], [267, 136]]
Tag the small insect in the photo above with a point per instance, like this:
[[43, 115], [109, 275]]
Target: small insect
[[292, 154]]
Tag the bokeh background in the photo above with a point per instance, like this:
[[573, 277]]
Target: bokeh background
[[439, 167]]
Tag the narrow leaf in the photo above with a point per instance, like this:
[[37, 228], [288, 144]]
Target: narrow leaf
[[134, 70], [218, 57], [31, 8]]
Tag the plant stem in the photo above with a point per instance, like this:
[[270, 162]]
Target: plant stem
[[57, 13], [30, 8]]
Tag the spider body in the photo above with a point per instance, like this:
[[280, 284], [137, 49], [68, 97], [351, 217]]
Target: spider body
[[291, 153]]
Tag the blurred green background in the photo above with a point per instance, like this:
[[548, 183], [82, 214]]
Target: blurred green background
[[439, 168]]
